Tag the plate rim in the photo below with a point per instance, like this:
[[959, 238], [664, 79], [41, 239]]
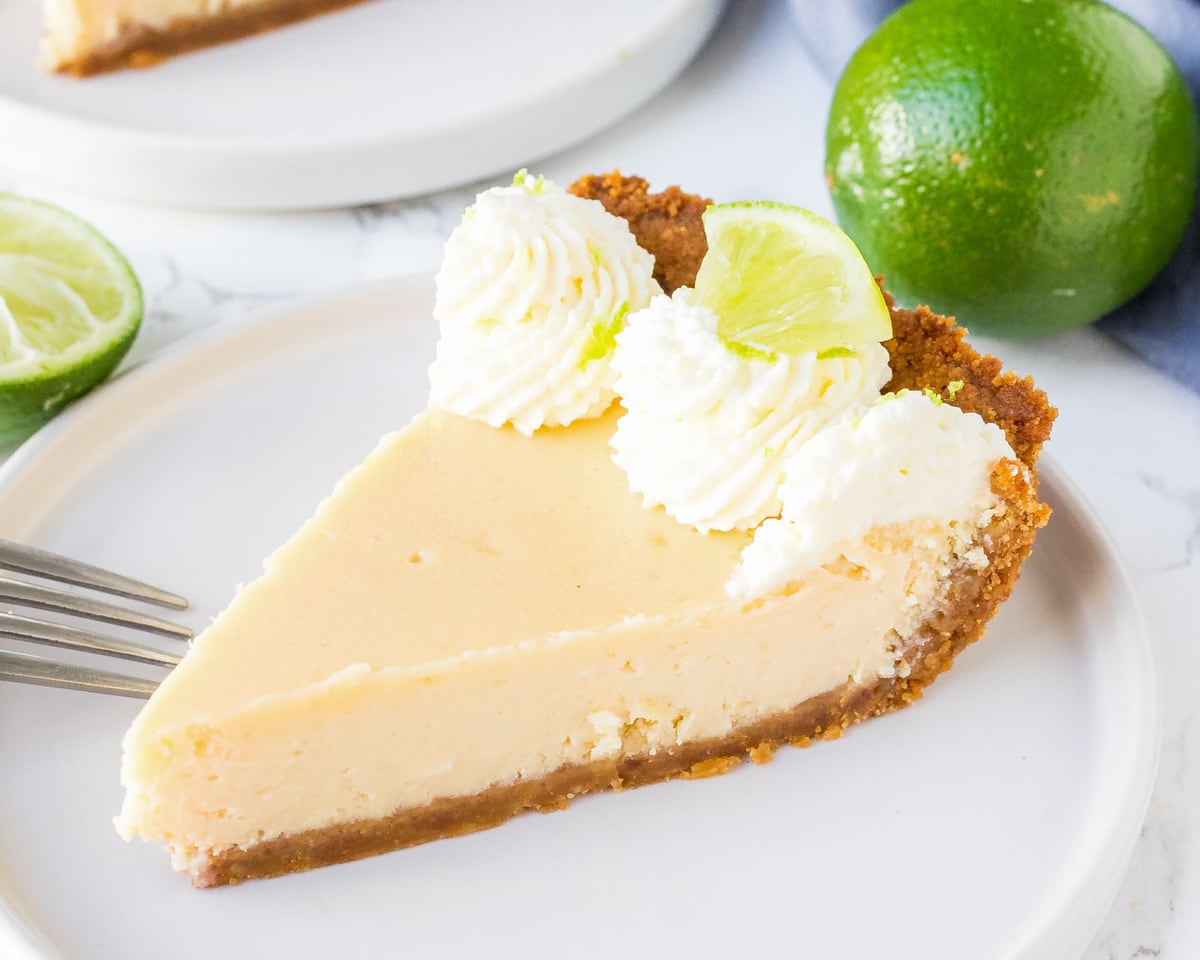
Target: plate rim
[[1065, 930], [1070, 928], [310, 172]]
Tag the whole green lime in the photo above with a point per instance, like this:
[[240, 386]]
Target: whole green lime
[[1026, 165]]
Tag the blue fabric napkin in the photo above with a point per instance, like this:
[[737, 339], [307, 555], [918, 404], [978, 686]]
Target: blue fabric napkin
[[1162, 323]]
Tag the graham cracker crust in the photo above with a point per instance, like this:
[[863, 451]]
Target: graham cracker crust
[[667, 224], [927, 351], [139, 45]]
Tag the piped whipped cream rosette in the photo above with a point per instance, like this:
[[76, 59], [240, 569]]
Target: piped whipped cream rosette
[[909, 457], [708, 428], [722, 384], [750, 402], [534, 286]]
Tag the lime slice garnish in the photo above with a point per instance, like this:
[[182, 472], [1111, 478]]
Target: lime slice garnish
[[783, 280], [70, 307]]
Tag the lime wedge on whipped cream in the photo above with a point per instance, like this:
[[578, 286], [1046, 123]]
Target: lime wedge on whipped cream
[[70, 307], [783, 280]]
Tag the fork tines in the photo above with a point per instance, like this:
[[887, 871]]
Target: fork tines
[[13, 626], [27, 668], [50, 566], [29, 595]]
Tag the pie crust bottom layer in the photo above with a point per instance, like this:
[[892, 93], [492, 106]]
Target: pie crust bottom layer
[[142, 45], [971, 598]]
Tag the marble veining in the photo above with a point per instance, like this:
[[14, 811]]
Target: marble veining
[[1146, 903], [1187, 500]]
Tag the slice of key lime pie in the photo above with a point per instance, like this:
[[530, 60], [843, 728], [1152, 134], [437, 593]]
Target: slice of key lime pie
[[639, 533]]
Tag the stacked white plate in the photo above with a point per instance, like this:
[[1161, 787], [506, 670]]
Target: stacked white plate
[[390, 98]]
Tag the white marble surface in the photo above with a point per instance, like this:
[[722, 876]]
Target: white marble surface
[[746, 120]]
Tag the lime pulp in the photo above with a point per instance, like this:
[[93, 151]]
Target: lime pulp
[[70, 307], [783, 280]]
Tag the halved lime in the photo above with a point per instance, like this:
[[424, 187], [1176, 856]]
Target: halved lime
[[782, 279], [70, 307]]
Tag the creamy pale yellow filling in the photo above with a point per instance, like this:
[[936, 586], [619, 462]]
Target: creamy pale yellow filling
[[476, 606]]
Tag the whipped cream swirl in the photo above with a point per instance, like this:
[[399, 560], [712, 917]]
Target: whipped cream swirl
[[707, 430], [534, 285], [906, 458]]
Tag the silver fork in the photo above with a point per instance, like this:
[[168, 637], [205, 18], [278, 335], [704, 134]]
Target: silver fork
[[26, 668]]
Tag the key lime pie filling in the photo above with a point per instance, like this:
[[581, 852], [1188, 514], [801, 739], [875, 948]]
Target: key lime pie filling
[[617, 547]]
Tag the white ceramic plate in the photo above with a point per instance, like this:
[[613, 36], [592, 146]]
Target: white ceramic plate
[[390, 98], [993, 819]]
